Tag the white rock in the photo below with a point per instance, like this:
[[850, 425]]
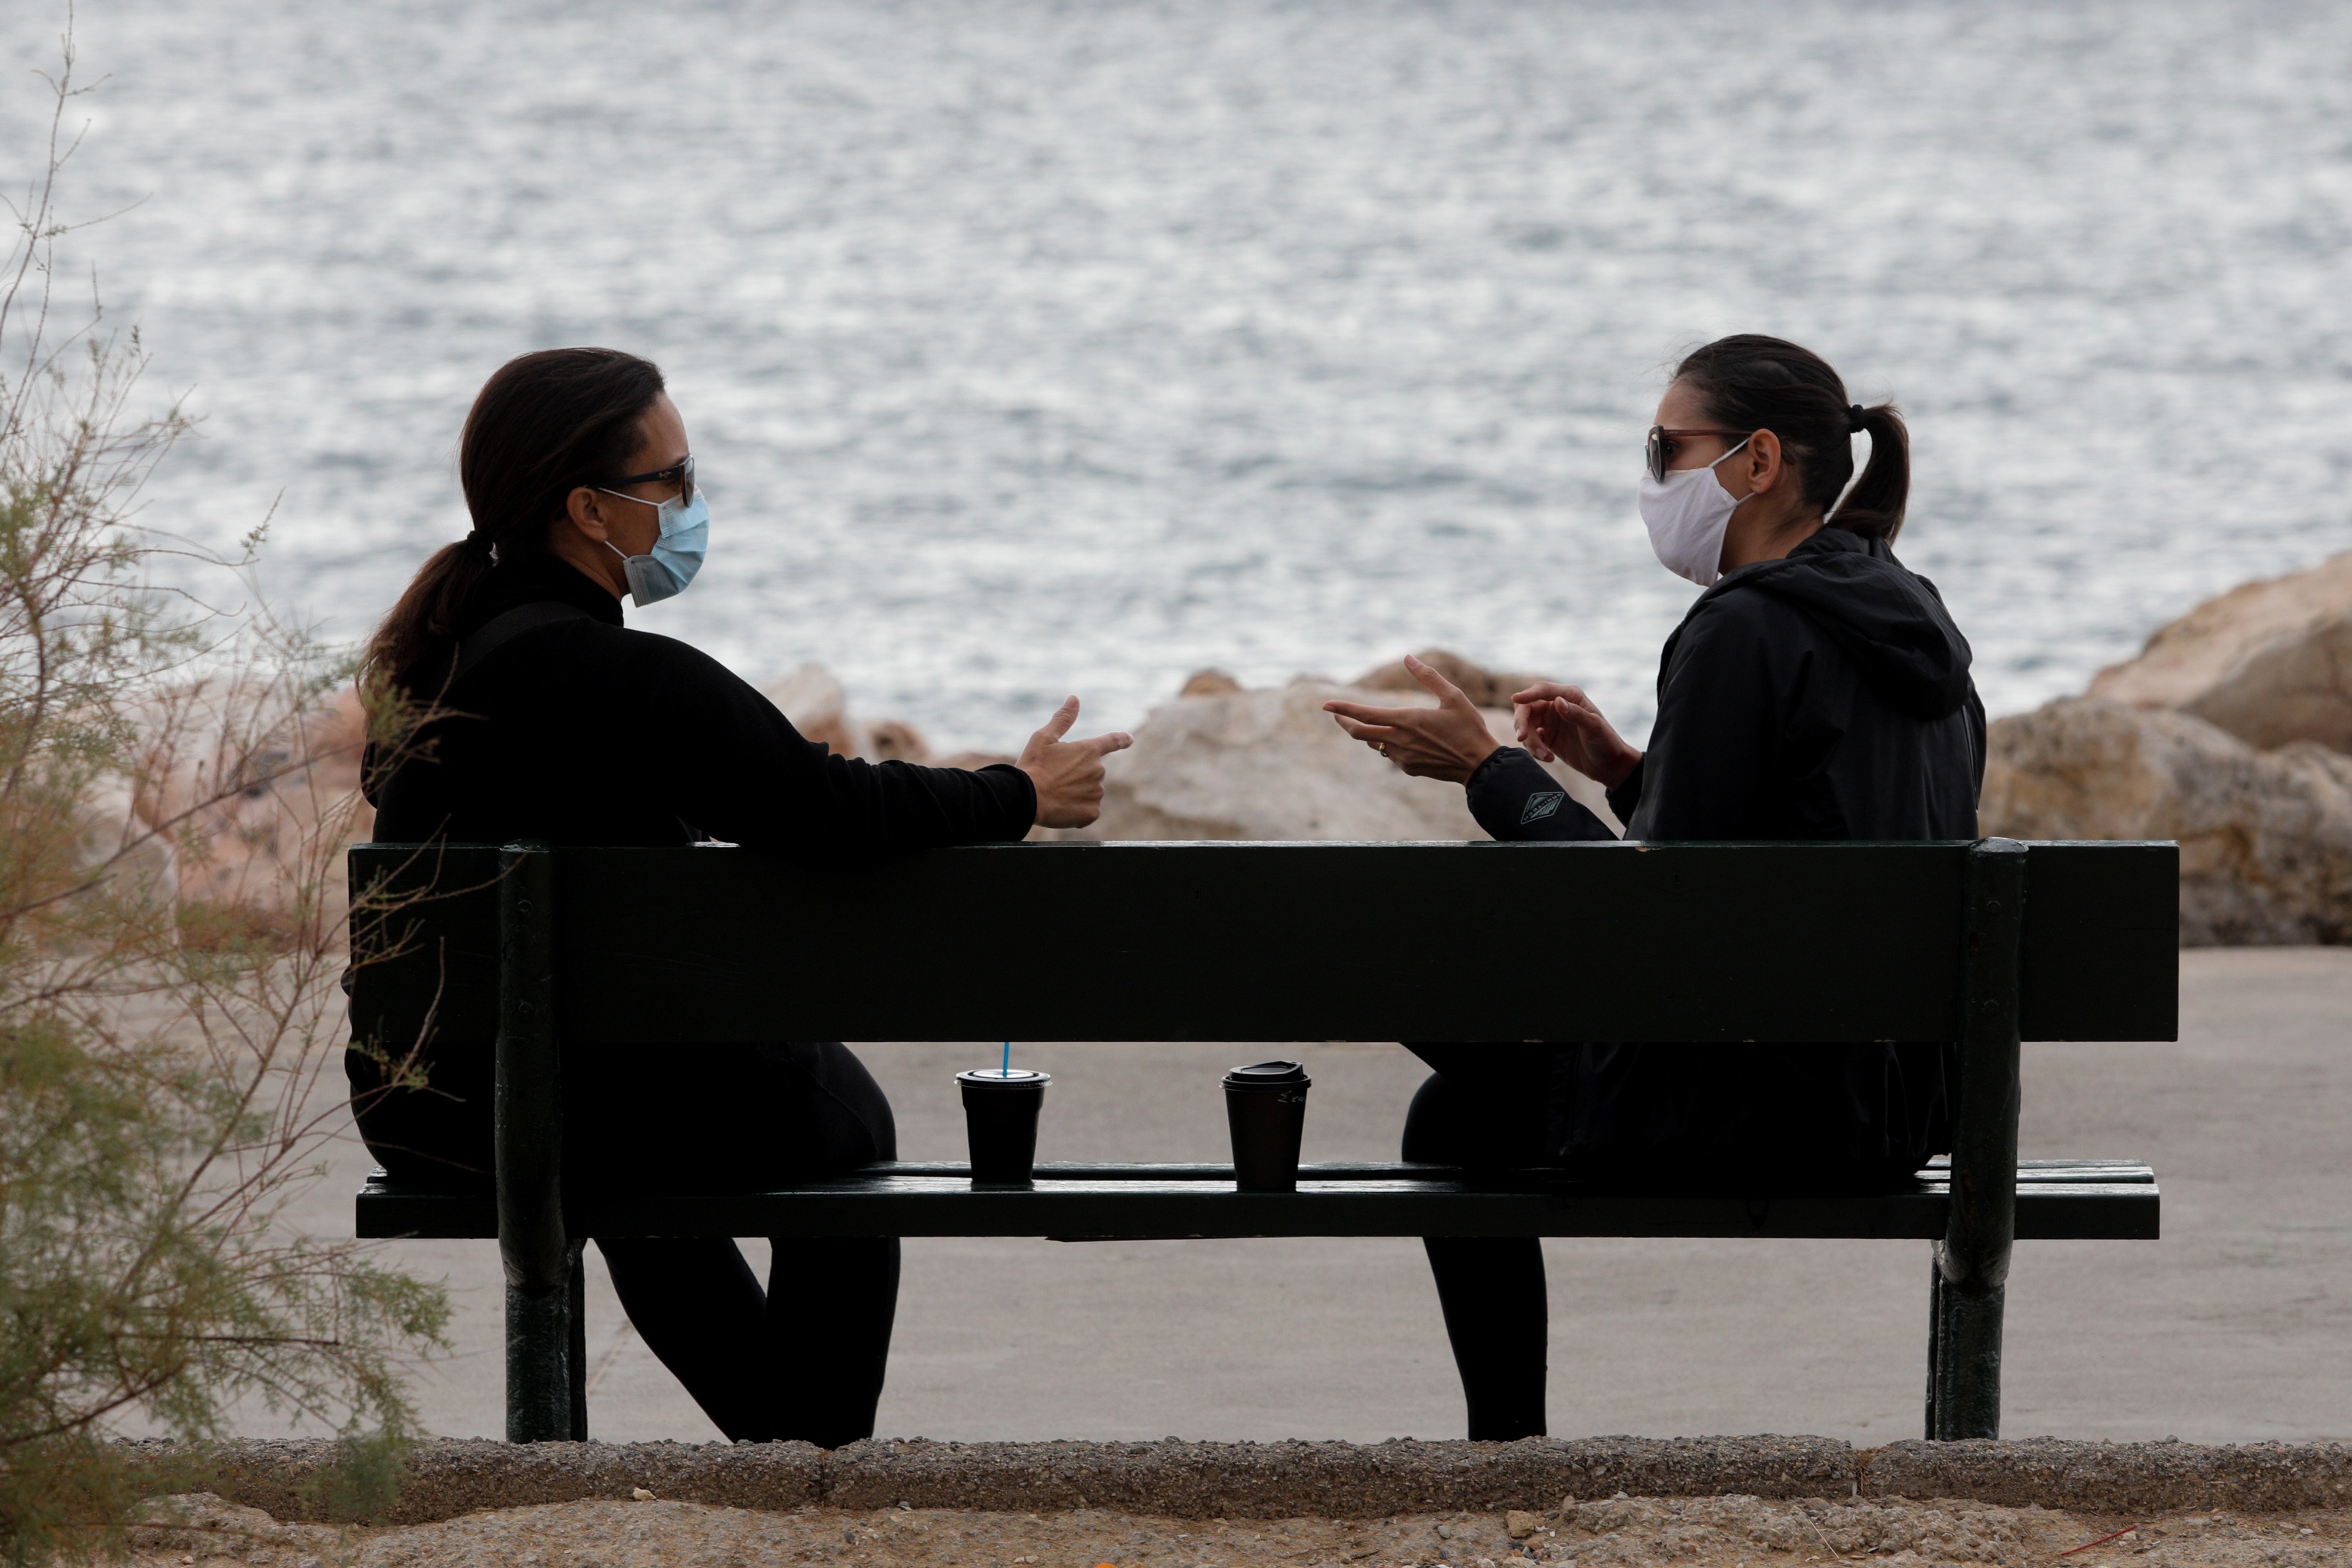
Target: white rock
[[1273, 765], [2265, 837], [818, 706], [2270, 662], [1487, 688], [236, 801]]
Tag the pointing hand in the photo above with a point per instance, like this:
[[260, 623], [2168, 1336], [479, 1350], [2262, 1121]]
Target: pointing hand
[[1068, 774], [1447, 741]]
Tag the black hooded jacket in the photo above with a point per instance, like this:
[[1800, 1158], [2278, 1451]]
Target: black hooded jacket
[[1823, 695]]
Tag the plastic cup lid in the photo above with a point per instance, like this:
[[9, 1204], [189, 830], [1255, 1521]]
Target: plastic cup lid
[[996, 1078], [1268, 1075]]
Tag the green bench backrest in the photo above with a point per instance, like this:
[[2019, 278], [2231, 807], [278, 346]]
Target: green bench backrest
[[1271, 942]]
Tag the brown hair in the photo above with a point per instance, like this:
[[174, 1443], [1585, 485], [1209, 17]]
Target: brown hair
[[542, 426], [1754, 382]]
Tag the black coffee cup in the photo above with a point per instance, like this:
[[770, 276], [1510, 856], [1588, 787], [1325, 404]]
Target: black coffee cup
[[1000, 1120], [1265, 1105]]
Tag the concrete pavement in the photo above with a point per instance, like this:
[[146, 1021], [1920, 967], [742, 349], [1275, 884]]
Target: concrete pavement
[[2236, 1327]]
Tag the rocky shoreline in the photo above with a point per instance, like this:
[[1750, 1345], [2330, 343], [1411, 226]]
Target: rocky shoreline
[[2230, 732]]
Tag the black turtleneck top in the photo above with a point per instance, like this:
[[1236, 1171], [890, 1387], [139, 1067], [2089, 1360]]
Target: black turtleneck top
[[583, 732]]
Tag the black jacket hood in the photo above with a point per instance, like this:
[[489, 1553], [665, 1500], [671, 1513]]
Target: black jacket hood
[[1889, 620]]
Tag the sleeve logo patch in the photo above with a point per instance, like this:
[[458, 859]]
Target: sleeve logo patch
[[1539, 807]]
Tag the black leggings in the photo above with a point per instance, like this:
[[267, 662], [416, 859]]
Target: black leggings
[[802, 1359], [1485, 1107], [805, 1357], [1865, 1115]]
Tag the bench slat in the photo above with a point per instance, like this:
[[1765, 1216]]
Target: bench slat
[[2112, 1200], [1264, 942]]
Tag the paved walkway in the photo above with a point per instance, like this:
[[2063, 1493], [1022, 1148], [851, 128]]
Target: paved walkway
[[2236, 1327]]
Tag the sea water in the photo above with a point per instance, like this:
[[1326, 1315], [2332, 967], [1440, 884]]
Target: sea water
[[1031, 348]]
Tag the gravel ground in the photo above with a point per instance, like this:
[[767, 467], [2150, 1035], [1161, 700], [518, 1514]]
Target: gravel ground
[[1618, 1533]]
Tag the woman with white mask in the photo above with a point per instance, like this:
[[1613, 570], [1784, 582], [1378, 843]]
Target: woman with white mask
[[558, 722], [1816, 690]]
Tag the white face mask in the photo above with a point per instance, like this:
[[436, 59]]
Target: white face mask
[[1686, 514]]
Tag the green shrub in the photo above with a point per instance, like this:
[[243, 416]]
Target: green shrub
[[170, 940]]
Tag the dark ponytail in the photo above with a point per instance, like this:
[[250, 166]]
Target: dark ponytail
[[1754, 382], [540, 427]]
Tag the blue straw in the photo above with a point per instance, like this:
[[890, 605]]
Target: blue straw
[[1007, 1071]]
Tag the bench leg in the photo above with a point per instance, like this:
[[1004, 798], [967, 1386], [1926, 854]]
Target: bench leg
[[546, 1359], [542, 1265], [579, 1347], [1972, 1260], [1963, 1360], [539, 1335], [1935, 1340]]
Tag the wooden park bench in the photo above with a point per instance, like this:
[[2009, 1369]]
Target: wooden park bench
[[1985, 944]]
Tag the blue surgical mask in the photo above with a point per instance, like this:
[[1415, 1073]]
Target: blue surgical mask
[[678, 550]]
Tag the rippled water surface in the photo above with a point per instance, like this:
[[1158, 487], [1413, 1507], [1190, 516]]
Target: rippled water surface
[[1035, 346]]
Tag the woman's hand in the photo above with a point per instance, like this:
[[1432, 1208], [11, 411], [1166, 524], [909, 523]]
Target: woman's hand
[[1068, 774], [1561, 724], [1447, 741]]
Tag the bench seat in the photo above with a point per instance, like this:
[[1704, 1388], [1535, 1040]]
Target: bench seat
[[2106, 1201]]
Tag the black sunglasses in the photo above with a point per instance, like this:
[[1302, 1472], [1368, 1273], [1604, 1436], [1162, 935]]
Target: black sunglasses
[[1661, 449], [678, 473]]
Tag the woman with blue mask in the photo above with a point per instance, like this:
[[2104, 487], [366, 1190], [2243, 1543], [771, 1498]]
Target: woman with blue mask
[[1816, 689], [551, 719]]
